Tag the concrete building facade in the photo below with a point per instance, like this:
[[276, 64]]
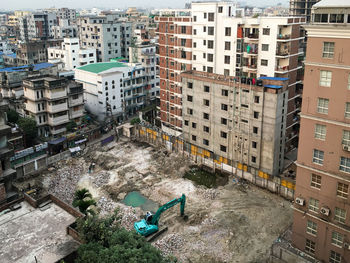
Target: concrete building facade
[[114, 89], [242, 123], [301, 8], [64, 29], [53, 102], [107, 33], [71, 54], [321, 225]]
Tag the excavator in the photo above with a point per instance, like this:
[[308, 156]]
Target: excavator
[[149, 225]]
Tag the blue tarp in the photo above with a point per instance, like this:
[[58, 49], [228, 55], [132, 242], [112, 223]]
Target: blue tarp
[[273, 86], [57, 141], [273, 78]]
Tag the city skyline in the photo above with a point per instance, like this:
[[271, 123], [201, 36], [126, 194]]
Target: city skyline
[[109, 4]]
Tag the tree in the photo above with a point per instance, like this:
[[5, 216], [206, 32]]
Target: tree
[[28, 126], [135, 121], [12, 116], [105, 241], [71, 125], [83, 200]]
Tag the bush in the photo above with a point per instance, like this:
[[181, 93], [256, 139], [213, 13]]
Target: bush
[[12, 116], [28, 126]]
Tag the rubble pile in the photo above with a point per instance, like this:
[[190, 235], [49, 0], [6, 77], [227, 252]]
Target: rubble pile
[[101, 179], [169, 243], [209, 194], [63, 183], [106, 205], [129, 217]]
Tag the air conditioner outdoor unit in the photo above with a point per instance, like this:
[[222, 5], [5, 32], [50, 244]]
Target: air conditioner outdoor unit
[[325, 211], [346, 148], [299, 201], [347, 246]]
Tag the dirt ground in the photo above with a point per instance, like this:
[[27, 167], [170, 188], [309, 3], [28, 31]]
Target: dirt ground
[[231, 223]]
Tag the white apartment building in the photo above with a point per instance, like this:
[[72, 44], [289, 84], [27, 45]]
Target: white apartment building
[[37, 25], [66, 13], [53, 102], [146, 55], [107, 33], [71, 54], [4, 46], [64, 29], [113, 88]]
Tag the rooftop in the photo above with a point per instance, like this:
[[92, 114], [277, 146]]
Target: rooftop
[[25, 67], [28, 232], [100, 67], [332, 3]]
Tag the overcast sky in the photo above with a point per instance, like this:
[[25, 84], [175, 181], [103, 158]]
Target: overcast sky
[[34, 4]]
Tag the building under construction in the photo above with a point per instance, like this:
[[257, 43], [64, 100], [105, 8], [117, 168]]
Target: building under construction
[[302, 8], [241, 119]]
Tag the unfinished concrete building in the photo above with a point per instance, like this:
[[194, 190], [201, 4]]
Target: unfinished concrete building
[[240, 122], [7, 174], [301, 8], [53, 102]]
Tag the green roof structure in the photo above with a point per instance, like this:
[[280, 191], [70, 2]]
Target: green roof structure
[[100, 67]]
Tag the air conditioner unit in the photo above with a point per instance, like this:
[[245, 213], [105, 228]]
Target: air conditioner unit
[[299, 201], [346, 148], [325, 211], [347, 246]]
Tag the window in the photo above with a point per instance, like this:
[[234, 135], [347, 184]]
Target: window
[[227, 60], [318, 157], [264, 62], [325, 78], [205, 15], [224, 121], [265, 47], [206, 89], [256, 115], [189, 85], [227, 31], [313, 204], [347, 110], [189, 98], [211, 17], [337, 239], [253, 159], [336, 18], [334, 257], [194, 57], [210, 57], [204, 42], [205, 116], [320, 131], [189, 111], [310, 246], [194, 31], [194, 125], [205, 128], [228, 47], [194, 137], [316, 181], [224, 92], [328, 50], [195, 18], [346, 138], [205, 142], [224, 107], [255, 130], [322, 105], [256, 99], [210, 44], [206, 102], [223, 134], [210, 69], [220, 8], [342, 190], [344, 164], [210, 30], [186, 123], [226, 72], [266, 31], [254, 144], [339, 215], [311, 227], [222, 148]]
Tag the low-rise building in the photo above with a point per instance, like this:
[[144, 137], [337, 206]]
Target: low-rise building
[[71, 54], [237, 122], [53, 102], [114, 88]]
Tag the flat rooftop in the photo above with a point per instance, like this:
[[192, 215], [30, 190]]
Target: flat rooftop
[[28, 232], [102, 66]]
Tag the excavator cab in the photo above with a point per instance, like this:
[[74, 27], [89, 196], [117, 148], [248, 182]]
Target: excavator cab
[[148, 217]]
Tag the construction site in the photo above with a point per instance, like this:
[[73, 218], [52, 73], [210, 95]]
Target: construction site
[[227, 218]]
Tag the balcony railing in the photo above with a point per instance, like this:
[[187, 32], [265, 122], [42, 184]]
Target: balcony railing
[[282, 68], [57, 108], [283, 36], [58, 120]]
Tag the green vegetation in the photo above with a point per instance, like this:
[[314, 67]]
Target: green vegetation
[[71, 125], [12, 116], [135, 121], [83, 200], [105, 241], [28, 126]]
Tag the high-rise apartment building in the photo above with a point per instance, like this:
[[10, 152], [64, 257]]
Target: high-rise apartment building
[[107, 33], [224, 44], [321, 224], [301, 8]]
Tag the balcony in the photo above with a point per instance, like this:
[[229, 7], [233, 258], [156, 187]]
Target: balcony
[[58, 131], [282, 53], [283, 37], [56, 95], [282, 69], [76, 114], [76, 102], [57, 108], [251, 38], [54, 121]]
